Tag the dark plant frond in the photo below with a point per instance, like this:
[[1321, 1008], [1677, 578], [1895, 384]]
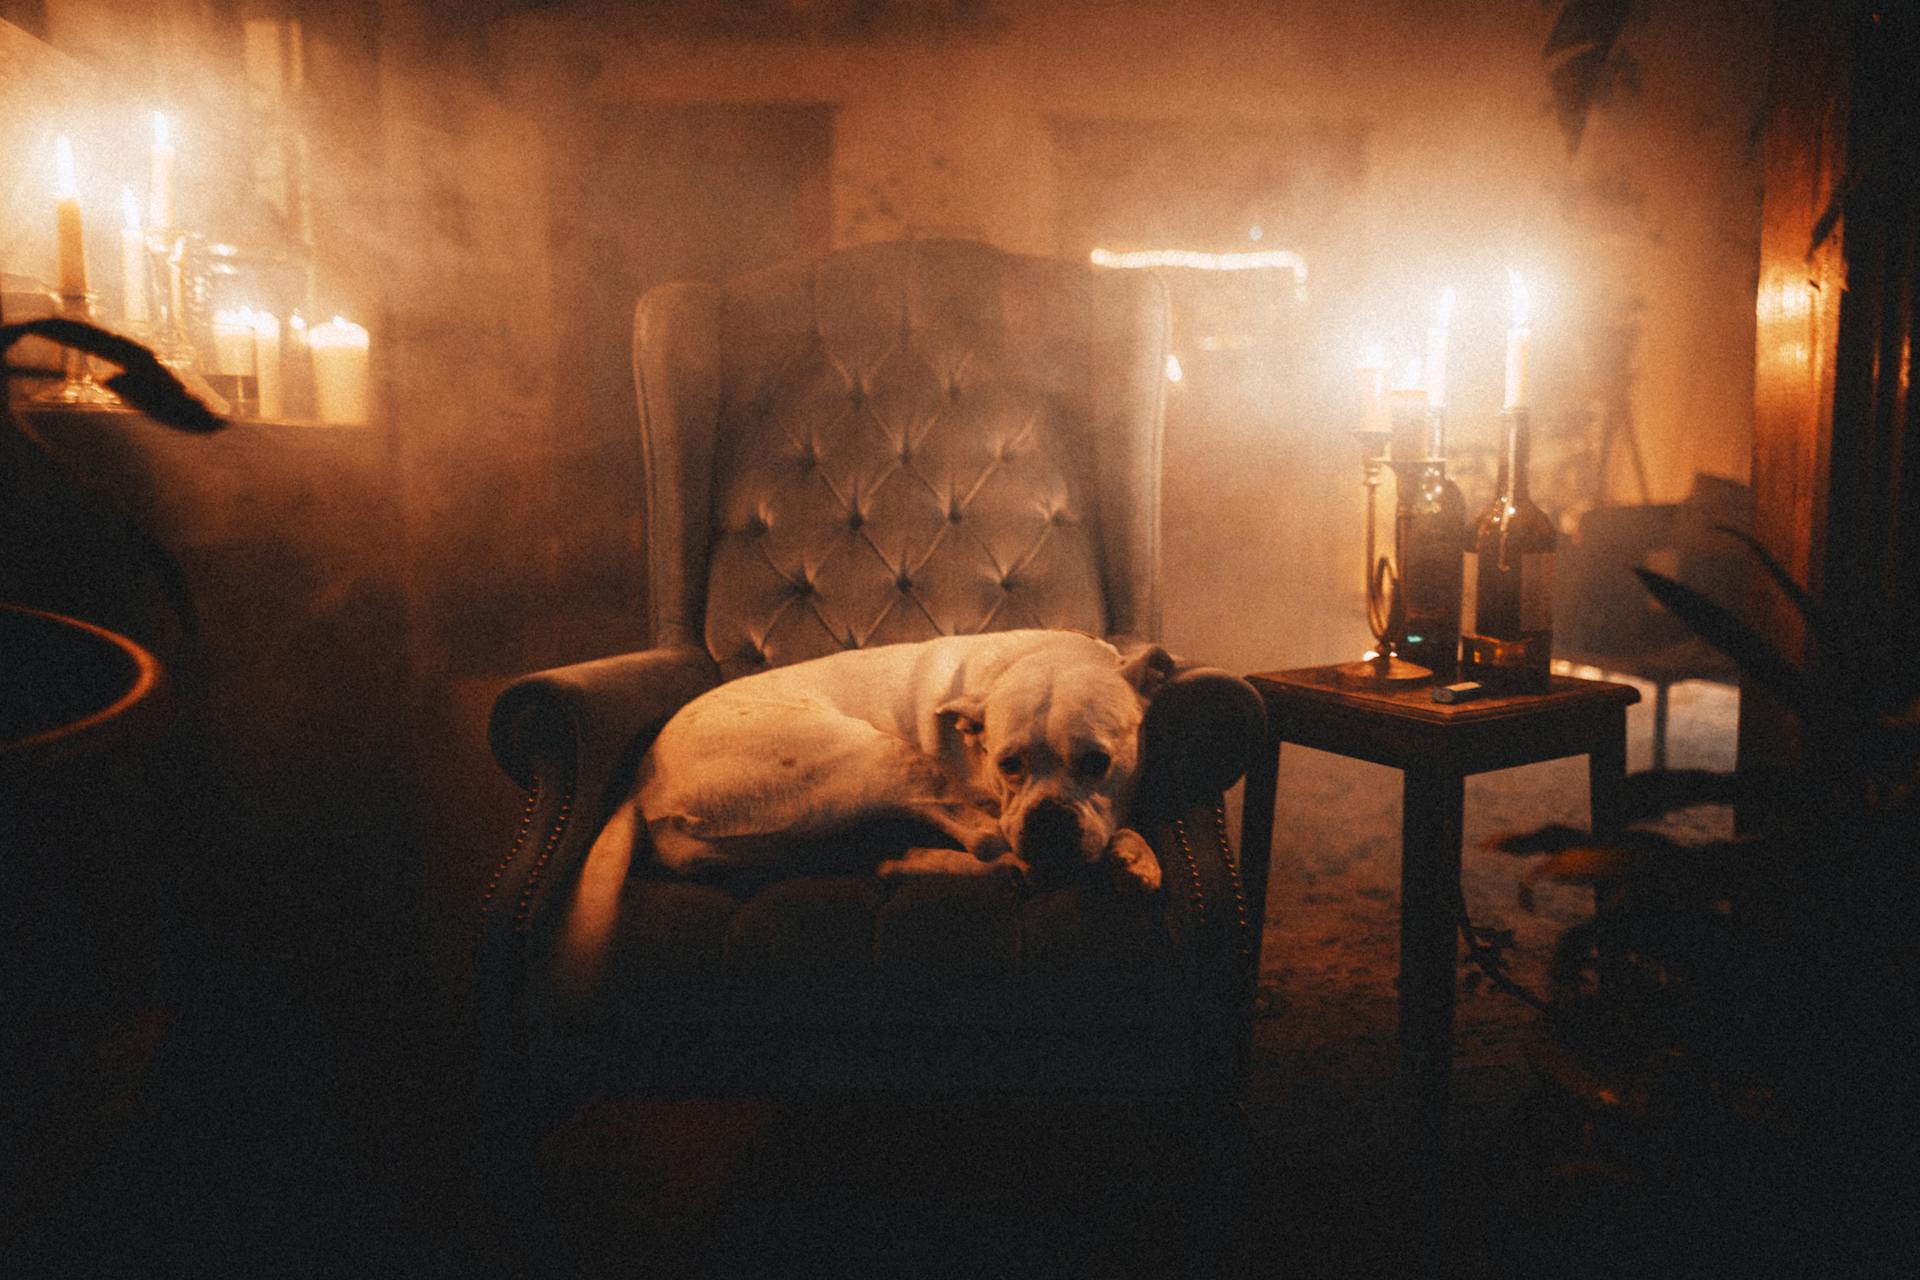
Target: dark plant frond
[[1547, 839], [1588, 22], [1789, 586], [1758, 660], [1590, 863], [1587, 32], [143, 382]]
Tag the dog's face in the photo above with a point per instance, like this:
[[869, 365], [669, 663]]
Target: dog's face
[[1058, 745]]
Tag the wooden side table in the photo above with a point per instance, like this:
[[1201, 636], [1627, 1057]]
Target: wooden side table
[[1435, 746]]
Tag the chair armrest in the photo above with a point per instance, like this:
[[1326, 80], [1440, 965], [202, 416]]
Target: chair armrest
[[571, 722], [1201, 731], [567, 736]]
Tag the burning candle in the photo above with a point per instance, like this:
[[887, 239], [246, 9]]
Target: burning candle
[[266, 357], [339, 371], [1436, 367], [72, 261], [160, 194], [1519, 340], [233, 370], [233, 344], [133, 260], [1372, 372]]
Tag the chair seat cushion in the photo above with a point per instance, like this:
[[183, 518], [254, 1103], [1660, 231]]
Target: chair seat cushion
[[928, 975]]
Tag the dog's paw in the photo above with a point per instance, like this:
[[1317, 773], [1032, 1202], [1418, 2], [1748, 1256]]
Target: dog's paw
[[950, 862], [1130, 857], [1013, 867]]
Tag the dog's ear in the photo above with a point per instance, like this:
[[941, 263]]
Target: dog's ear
[[1146, 668], [967, 713]]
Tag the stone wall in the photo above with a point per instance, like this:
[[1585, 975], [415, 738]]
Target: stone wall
[[1640, 246]]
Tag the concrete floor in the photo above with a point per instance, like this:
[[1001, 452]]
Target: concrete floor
[[285, 1130]]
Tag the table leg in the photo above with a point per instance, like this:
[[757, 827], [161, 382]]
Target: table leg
[[1607, 777], [1429, 922]]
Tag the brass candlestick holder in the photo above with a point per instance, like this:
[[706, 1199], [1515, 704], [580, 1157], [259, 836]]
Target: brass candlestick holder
[[77, 386], [1386, 612]]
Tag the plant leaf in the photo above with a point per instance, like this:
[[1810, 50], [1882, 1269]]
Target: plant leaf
[[1789, 587], [1588, 22], [1588, 864], [1758, 660], [144, 383]]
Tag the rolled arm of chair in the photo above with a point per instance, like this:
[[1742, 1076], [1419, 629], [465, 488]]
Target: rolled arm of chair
[[1202, 730], [567, 736]]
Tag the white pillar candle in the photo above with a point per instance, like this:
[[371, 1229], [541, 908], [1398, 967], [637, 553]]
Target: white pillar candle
[[160, 193], [1372, 372], [339, 371], [266, 357], [1519, 341], [1436, 364], [71, 263], [133, 260], [233, 344]]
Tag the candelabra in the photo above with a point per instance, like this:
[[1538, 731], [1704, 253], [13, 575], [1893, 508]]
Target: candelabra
[[76, 385], [1386, 609]]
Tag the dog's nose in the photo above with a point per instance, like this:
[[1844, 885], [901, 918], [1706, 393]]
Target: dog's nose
[[1050, 828]]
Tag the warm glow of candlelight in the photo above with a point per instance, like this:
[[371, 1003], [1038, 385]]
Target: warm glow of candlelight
[[1174, 372], [129, 210], [1443, 313], [162, 130], [66, 185]]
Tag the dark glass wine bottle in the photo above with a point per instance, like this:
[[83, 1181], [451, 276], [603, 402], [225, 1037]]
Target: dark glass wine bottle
[[1432, 539], [1507, 641]]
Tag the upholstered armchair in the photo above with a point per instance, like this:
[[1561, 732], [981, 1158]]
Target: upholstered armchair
[[890, 443]]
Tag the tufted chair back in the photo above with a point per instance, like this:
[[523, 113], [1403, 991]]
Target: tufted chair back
[[896, 442]]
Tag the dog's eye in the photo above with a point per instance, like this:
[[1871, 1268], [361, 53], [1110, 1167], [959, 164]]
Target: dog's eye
[[1093, 764], [1011, 766]]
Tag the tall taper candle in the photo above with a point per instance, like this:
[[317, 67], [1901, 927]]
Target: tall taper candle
[[160, 195], [266, 351], [1436, 366], [1519, 341], [133, 260], [1372, 372], [72, 261]]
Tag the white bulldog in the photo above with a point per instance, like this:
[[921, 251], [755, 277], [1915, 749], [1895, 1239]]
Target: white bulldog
[[1020, 746]]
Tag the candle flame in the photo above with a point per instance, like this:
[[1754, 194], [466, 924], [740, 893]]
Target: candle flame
[[129, 209], [66, 186], [1522, 300], [1174, 372], [162, 130], [1443, 314]]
